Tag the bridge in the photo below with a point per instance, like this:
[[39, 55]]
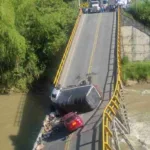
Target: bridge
[[94, 49]]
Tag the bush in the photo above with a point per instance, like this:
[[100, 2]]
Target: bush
[[141, 11], [125, 60], [32, 33], [136, 70]]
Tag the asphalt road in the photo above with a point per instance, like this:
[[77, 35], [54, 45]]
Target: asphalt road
[[93, 51]]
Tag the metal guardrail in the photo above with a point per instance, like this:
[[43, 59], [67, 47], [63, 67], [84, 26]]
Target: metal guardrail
[[111, 109], [63, 60]]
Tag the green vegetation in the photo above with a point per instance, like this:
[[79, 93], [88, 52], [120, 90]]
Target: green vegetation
[[135, 70], [32, 34], [127, 14], [141, 11]]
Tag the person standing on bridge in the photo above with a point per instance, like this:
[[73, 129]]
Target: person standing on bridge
[[102, 8]]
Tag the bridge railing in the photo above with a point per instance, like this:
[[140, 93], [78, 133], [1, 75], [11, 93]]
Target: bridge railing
[[63, 60], [111, 109]]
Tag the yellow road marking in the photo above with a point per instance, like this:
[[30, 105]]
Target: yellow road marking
[[94, 44], [68, 141], [67, 145]]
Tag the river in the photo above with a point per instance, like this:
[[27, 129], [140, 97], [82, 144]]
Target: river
[[21, 117], [137, 99]]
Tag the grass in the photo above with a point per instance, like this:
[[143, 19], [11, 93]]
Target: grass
[[135, 70]]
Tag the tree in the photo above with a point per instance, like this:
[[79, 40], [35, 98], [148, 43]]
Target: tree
[[32, 32]]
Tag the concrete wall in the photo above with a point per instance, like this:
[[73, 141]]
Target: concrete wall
[[135, 44]]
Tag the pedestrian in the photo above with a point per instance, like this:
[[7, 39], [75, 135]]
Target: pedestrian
[[102, 8]]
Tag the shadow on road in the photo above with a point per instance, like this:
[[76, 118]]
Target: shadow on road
[[112, 65], [96, 130], [61, 135]]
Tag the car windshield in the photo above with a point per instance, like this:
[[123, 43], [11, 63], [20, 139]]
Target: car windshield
[[70, 119], [54, 95]]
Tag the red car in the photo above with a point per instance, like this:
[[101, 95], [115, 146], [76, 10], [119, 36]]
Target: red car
[[72, 121]]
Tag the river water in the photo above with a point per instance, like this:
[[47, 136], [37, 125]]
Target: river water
[[137, 99], [21, 117]]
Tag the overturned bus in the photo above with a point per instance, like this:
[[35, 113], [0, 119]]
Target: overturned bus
[[79, 99]]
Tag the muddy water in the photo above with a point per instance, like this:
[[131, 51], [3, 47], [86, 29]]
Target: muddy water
[[137, 99], [21, 117]]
